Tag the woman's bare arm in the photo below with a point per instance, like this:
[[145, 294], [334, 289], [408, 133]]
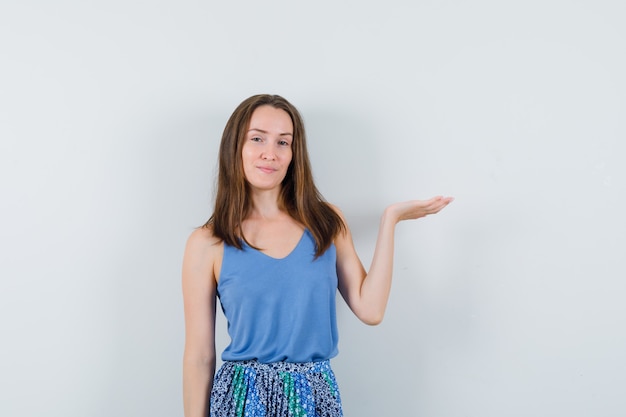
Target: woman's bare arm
[[366, 293], [201, 263]]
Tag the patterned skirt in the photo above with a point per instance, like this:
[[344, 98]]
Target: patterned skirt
[[280, 389]]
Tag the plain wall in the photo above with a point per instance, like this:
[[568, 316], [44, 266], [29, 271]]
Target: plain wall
[[508, 303]]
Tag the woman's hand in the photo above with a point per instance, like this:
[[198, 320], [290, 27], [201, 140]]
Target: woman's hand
[[415, 209]]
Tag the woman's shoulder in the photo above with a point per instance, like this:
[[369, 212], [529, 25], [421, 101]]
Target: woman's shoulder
[[335, 208], [203, 237], [342, 217], [203, 253]]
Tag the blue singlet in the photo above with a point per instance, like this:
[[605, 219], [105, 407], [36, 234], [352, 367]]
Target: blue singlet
[[279, 309]]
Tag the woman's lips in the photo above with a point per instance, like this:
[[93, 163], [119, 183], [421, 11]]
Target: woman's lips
[[267, 170]]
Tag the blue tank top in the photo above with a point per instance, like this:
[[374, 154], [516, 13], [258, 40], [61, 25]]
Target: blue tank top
[[279, 309]]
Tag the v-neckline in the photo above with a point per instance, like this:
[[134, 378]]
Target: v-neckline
[[286, 256]]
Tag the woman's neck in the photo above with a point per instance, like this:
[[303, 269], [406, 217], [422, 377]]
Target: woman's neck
[[265, 204]]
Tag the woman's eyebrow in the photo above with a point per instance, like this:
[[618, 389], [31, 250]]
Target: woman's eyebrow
[[265, 132]]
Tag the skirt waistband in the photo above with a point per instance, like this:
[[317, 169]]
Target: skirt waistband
[[297, 367]]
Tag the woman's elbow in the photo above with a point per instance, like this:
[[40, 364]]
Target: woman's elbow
[[199, 359], [372, 318]]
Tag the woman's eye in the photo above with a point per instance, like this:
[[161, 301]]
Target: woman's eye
[[256, 139], [283, 143]]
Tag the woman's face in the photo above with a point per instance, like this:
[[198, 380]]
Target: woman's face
[[266, 152]]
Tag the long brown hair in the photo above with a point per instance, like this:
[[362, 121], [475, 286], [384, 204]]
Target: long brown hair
[[299, 195]]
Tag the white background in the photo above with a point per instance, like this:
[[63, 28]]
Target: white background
[[508, 303]]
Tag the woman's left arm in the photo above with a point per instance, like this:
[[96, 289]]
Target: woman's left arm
[[366, 293]]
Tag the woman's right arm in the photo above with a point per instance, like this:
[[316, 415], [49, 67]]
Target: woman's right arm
[[201, 263]]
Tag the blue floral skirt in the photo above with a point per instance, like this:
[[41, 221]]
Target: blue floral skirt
[[280, 389]]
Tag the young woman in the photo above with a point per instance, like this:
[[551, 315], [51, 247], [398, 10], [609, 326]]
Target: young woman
[[275, 253]]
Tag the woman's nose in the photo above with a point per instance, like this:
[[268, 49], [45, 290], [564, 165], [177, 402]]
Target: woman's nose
[[268, 154]]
